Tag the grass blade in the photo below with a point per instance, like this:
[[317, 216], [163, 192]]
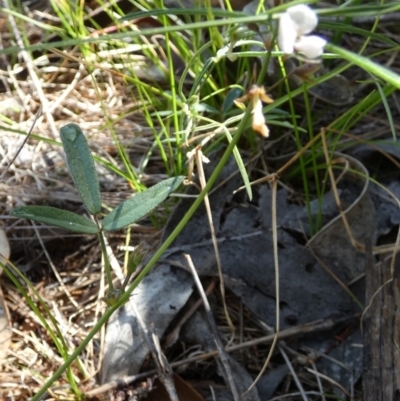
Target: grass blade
[[367, 65]]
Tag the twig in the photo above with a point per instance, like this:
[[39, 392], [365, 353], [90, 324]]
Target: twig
[[21, 146], [277, 297], [319, 382], [53, 267], [68, 90], [175, 332], [164, 370], [330, 380], [202, 180], [335, 192], [292, 371], [273, 176], [336, 278], [290, 395], [214, 331], [166, 378]]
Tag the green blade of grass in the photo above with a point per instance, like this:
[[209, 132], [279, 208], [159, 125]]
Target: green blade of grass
[[387, 109], [367, 65]]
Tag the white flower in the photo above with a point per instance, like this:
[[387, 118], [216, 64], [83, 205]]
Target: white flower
[[312, 46], [303, 17], [296, 22], [287, 34]]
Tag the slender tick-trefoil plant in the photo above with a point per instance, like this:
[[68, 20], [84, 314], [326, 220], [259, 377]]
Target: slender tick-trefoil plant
[[83, 172]]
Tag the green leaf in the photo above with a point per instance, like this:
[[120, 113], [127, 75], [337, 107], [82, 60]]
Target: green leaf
[[241, 166], [56, 217], [81, 166], [139, 205], [388, 112]]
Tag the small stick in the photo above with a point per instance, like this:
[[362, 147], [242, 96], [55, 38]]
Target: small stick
[[164, 370], [277, 292], [292, 371], [319, 382], [207, 205], [214, 331], [22, 145], [175, 332], [54, 268], [330, 380]]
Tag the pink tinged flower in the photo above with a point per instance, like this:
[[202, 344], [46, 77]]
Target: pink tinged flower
[[311, 46]]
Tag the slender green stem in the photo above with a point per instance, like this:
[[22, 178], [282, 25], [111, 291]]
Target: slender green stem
[[105, 256], [298, 143]]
